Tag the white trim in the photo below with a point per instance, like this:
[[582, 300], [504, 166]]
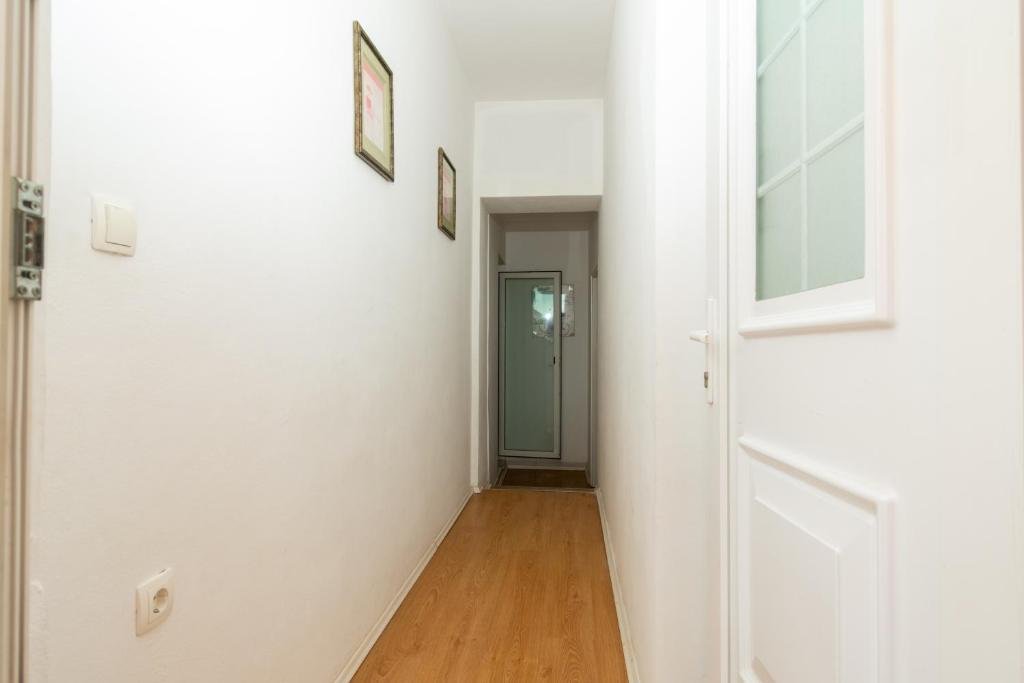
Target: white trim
[[722, 337], [733, 36], [628, 653], [24, 146], [371, 638], [591, 468], [866, 302], [823, 477]]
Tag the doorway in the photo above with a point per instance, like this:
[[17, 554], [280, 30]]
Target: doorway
[[558, 235]]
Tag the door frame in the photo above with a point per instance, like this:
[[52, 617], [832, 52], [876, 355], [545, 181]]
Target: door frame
[[592, 385], [556, 275], [730, 122], [23, 102]]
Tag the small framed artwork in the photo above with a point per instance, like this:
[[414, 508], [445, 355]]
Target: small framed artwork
[[375, 105], [445, 194]]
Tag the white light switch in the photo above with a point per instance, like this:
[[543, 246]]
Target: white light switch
[[114, 227]]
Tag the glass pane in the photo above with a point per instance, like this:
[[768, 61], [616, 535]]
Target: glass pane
[[529, 347], [835, 215], [774, 19], [778, 114], [835, 67], [779, 240]]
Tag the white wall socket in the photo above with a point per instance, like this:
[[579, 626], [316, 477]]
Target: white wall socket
[[153, 601]]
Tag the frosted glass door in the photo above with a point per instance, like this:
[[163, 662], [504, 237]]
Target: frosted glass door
[[530, 366], [810, 145]]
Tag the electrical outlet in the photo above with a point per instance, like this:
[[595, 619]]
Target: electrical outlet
[[153, 601]]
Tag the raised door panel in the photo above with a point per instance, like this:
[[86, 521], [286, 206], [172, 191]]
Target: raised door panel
[[814, 577]]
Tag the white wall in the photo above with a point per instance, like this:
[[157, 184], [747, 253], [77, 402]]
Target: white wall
[[686, 427], [539, 148], [530, 156], [656, 435], [272, 396], [569, 252], [626, 364]]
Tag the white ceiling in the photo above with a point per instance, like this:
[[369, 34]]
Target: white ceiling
[[532, 49]]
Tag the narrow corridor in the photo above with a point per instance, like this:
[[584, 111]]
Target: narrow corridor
[[473, 341], [518, 590]]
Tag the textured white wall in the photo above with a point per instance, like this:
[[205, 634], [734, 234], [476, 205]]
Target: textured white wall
[[567, 251], [272, 396]]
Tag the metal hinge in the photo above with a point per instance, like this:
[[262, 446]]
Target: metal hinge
[[29, 235]]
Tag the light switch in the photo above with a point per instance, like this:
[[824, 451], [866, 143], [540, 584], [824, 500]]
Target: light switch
[[114, 227], [120, 226]]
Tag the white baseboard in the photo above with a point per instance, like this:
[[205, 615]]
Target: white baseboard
[[620, 608], [371, 638]]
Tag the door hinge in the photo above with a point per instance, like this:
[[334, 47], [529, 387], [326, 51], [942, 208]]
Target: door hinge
[[29, 235]]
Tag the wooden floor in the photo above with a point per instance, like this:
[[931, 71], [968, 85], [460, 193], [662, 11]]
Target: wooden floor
[[518, 591], [555, 479]]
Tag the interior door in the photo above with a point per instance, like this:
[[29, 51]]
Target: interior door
[[875, 352], [529, 364]]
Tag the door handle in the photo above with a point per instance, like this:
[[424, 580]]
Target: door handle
[[705, 337]]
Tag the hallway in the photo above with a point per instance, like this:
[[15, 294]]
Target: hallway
[[512, 340], [518, 590]]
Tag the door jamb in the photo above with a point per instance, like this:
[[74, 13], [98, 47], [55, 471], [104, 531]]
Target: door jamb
[[592, 384], [23, 25], [723, 338]]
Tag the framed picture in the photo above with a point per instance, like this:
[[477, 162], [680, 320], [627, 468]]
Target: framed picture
[[375, 105], [445, 194]]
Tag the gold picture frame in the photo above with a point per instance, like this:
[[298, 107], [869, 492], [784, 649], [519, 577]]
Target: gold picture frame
[[445, 194], [374, 90]]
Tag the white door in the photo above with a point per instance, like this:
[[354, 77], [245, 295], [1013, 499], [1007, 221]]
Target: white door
[[875, 355]]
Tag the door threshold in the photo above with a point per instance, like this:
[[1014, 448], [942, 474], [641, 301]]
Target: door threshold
[[559, 479]]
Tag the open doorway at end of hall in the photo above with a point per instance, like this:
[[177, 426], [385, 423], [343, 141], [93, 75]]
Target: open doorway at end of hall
[[541, 271]]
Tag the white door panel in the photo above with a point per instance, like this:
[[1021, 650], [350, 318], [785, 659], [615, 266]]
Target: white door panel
[[876, 454], [816, 593]]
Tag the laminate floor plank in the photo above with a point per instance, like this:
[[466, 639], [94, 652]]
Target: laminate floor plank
[[518, 591]]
